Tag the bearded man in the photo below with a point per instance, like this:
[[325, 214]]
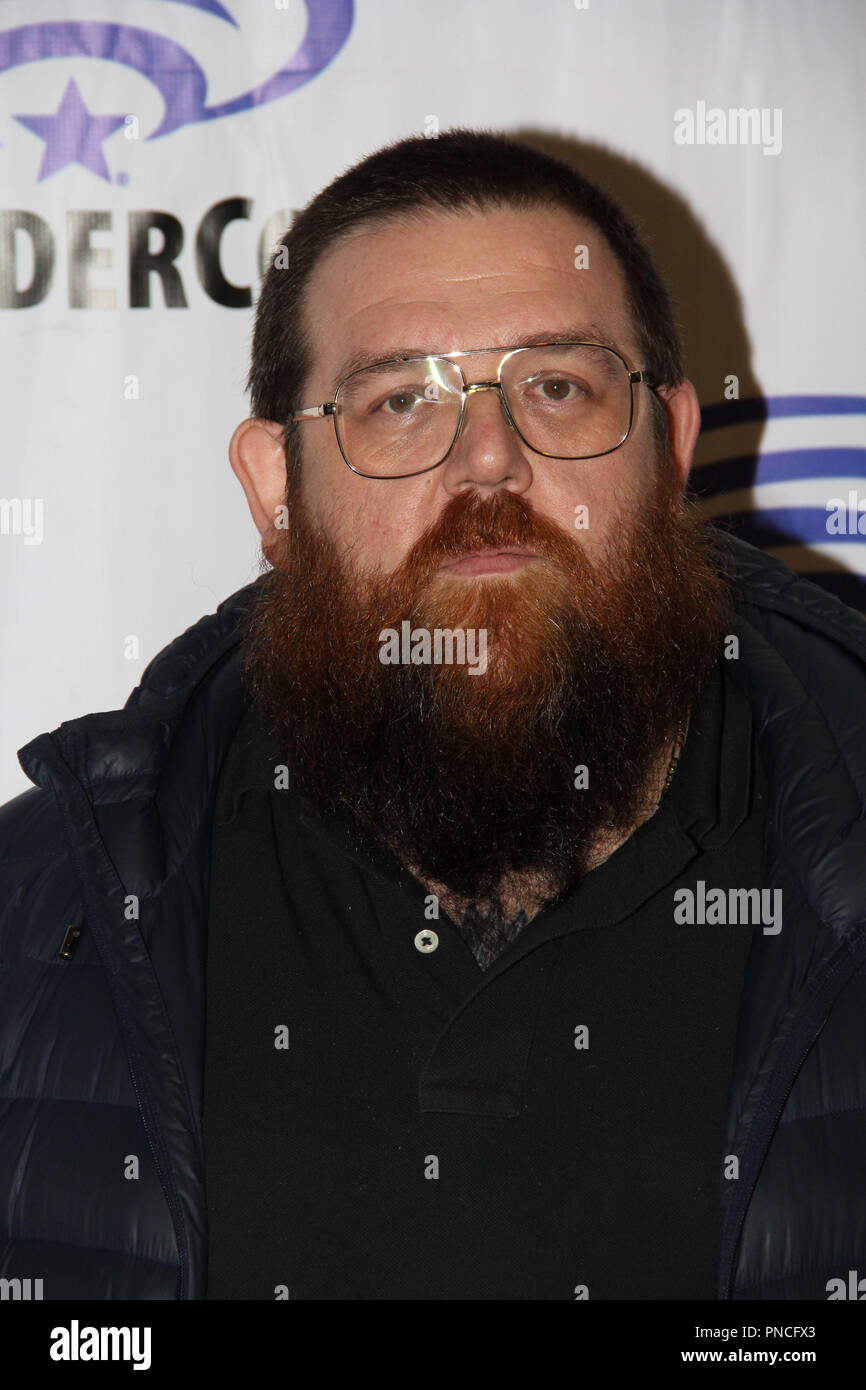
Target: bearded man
[[531, 977]]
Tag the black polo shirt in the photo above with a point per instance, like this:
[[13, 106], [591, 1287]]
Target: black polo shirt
[[385, 1120]]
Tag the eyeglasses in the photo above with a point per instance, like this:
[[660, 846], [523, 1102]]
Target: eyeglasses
[[402, 416]]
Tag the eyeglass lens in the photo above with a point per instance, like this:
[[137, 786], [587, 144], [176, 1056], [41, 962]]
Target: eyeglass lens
[[566, 401]]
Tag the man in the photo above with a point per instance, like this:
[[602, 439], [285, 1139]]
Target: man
[[473, 907]]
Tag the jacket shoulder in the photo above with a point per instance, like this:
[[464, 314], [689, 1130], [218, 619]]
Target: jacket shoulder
[[804, 673], [768, 593], [30, 828], [186, 659], [39, 891]]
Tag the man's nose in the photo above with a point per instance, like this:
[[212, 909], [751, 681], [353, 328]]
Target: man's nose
[[488, 453]]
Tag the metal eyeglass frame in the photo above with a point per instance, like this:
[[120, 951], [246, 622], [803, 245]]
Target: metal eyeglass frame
[[314, 412]]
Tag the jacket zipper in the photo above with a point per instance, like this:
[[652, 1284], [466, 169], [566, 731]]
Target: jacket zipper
[[151, 1130], [74, 790], [176, 1218]]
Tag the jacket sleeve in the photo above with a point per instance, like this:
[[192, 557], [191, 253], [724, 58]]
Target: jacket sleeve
[[39, 892]]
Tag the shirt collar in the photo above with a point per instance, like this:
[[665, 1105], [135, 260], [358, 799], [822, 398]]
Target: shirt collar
[[711, 789]]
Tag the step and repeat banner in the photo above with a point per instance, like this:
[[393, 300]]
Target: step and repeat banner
[[152, 151]]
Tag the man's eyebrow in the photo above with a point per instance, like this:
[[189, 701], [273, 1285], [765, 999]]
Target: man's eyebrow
[[581, 333]]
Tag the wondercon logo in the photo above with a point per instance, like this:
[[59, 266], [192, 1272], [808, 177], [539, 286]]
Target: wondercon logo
[[73, 134]]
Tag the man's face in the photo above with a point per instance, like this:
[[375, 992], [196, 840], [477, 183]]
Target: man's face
[[597, 639], [441, 283]]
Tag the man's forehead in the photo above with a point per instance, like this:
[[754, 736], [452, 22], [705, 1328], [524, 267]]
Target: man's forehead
[[447, 282]]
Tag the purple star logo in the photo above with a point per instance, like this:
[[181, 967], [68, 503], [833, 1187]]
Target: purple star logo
[[72, 135]]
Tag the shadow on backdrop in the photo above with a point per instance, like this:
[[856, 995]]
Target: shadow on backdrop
[[709, 314]]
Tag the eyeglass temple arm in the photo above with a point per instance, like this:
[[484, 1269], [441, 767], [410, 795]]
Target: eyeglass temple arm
[[312, 412]]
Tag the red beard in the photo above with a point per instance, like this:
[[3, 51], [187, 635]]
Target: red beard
[[469, 778]]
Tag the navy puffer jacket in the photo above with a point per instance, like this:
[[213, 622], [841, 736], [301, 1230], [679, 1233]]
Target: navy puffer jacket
[[101, 1048]]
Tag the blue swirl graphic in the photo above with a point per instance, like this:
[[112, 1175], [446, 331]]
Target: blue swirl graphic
[[795, 528], [173, 70]]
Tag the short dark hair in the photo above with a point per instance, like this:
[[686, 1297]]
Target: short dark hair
[[460, 170]]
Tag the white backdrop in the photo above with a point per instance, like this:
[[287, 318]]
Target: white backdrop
[[120, 521]]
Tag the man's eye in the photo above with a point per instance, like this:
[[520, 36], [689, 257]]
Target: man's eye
[[400, 403], [555, 389]]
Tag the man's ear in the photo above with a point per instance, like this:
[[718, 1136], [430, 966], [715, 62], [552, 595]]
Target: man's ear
[[258, 462], [684, 424]]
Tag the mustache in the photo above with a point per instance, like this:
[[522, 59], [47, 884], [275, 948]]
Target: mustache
[[471, 522]]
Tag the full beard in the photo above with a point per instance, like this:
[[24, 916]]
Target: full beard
[[473, 781]]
